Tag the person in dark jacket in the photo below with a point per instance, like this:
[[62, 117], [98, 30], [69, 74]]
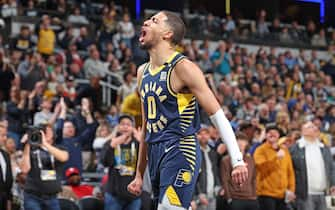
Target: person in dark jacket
[[6, 177], [17, 113], [72, 141], [208, 184], [240, 197], [80, 123], [120, 156], [314, 169], [6, 77]]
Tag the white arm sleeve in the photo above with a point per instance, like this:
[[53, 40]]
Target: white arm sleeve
[[227, 135]]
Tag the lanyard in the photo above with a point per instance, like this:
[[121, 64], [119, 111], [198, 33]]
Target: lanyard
[[39, 161], [132, 153]]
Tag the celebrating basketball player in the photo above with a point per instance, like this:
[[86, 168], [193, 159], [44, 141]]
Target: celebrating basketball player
[[170, 87]]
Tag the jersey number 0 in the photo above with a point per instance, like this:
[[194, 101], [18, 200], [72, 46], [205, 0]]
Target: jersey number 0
[[151, 107]]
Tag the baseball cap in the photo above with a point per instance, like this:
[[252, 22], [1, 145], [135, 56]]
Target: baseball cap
[[71, 171]]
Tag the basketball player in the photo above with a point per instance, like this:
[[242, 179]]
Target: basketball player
[[170, 87]]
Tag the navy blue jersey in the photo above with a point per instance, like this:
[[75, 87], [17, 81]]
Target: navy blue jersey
[[169, 115]]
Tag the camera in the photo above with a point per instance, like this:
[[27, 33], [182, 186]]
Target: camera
[[34, 134]]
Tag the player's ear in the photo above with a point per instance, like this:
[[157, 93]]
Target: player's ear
[[167, 35]]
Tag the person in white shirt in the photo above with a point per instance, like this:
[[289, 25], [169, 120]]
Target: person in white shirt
[[76, 17], [127, 30], [314, 169]]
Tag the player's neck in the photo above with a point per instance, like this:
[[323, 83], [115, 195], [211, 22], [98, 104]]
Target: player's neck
[[160, 54]]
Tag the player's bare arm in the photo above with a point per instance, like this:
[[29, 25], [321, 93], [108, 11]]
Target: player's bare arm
[[135, 186], [188, 76]]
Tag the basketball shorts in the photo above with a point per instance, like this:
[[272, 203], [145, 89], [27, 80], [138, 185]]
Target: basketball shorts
[[174, 168]]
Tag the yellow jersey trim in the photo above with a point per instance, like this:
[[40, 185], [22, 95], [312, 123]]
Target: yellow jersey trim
[[155, 71]]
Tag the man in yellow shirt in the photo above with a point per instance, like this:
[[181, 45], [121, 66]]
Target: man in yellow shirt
[[275, 174], [46, 37]]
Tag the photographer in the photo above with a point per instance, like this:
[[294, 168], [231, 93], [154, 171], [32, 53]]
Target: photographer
[[42, 161]]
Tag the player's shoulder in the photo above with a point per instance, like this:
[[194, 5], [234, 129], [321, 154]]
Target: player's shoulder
[[185, 65], [140, 69]]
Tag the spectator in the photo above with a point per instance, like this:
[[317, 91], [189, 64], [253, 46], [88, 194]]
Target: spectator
[[208, 184], [284, 36], [73, 180], [72, 55], [120, 156], [9, 9], [262, 27], [319, 39], [23, 42], [76, 17], [230, 24], [240, 197], [46, 37], [296, 33], [112, 116], [61, 8], [46, 116], [127, 30], [126, 88], [109, 26], [68, 38], [72, 141], [93, 66], [6, 77], [76, 71], [222, 63], [282, 122], [103, 135], [83, 41], [314, 169], [30, 71], [30, 11], [14, 155], [17, 114], [131, 105], [70, 88], [6, 177], [43, 164], [92, 92], [311, 29], [275, 174]]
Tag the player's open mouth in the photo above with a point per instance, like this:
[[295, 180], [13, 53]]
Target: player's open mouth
[[142, 35]]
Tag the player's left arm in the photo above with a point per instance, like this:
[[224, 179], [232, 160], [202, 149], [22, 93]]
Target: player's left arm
[[189, 75]]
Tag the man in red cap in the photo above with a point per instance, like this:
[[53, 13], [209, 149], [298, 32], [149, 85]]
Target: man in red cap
[[73, 180]]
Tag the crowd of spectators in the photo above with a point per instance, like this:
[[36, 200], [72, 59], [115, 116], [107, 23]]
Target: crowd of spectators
[[262, 29], [261, 92]]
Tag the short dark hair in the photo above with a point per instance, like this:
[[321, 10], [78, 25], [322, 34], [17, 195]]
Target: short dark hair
[[126, 116], [177, 26], [242, 136]]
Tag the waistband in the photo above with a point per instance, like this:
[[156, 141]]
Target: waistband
[[45, 196], [171, 140]]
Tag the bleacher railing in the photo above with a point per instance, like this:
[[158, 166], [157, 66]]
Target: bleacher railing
[[106, 86]]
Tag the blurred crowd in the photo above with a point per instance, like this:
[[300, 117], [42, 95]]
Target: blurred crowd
[[275, 101], [262, 29]]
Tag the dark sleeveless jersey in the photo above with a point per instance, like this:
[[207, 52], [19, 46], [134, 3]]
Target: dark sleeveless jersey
[[169, 115]]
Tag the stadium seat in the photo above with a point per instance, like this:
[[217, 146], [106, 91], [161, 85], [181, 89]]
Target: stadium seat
[[90, 203], [66, 204]]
